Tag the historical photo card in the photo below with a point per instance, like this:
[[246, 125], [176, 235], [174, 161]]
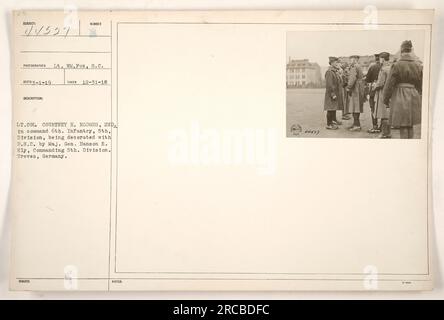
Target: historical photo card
[[165, 151]]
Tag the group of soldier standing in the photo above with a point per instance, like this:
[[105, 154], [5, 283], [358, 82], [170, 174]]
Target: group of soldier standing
[[393, 91]]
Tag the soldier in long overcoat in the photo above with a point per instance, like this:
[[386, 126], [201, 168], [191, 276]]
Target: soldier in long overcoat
[[370, 78], [345, 72], [355, 91], [402, 92], [382, 110], [333, 100]]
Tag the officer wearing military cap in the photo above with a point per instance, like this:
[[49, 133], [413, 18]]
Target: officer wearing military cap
[[333, 99], [402, 92], [370, 79], [355, 91]]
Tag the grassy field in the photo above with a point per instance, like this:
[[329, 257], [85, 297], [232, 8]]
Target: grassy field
[[305, 110]]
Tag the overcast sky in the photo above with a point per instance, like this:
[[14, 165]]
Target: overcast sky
[[317, 46]]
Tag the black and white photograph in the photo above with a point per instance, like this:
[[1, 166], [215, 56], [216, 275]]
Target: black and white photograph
[[354, 84]]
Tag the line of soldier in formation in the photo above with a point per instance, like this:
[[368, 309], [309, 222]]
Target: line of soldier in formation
[[393, 89]]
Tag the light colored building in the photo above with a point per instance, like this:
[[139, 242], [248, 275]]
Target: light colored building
[[303, 73]]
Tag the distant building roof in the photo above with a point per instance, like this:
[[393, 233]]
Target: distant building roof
[[301, 63]]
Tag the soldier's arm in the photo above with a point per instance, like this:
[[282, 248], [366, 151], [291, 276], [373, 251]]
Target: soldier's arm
[[382, 77], [329, 84], [419, 82], [370, 76], [344, 80], [352, 78], [390, 84]]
